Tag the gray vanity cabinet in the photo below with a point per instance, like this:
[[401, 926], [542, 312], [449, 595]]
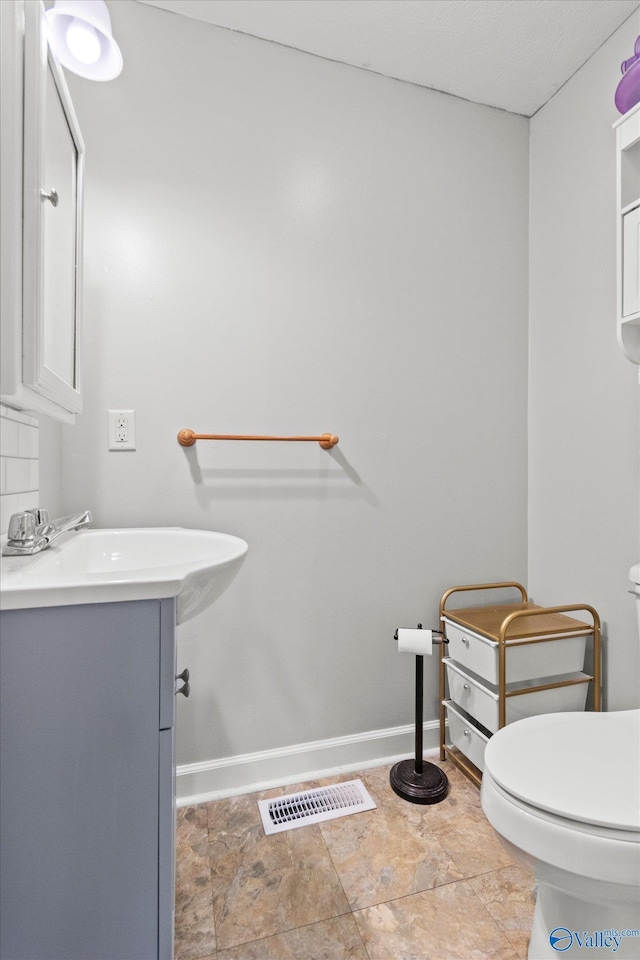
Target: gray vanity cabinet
[[87, 781]]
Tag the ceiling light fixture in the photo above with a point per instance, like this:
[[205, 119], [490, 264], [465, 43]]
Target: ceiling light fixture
[[81, 37]]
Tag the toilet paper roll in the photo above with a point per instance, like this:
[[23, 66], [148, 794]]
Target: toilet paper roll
[[418, 642]]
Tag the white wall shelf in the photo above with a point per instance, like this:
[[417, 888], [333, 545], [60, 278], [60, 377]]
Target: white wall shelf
[[628, 232]]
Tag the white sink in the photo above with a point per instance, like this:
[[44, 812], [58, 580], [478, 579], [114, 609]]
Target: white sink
[[102, 566]]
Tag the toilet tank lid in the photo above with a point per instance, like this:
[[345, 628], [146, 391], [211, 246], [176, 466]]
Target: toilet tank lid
[[579, 766]]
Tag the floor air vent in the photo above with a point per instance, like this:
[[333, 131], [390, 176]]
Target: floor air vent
[[314, 806]]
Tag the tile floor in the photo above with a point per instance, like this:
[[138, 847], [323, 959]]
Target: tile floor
[[402, 882]]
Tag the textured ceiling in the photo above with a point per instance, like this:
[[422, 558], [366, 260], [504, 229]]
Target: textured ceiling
[[513, 54]]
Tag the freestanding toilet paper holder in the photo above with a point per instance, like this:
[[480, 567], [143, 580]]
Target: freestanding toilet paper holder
[[416, 780]]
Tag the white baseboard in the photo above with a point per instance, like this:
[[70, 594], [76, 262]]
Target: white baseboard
[[230, 776]]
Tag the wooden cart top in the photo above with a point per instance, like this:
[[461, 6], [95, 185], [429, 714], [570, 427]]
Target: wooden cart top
[[487, 620]]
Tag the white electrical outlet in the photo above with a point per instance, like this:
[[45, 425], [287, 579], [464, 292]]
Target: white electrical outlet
[[122, 429]]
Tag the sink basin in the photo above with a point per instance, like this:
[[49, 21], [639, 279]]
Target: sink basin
[[102, 566]]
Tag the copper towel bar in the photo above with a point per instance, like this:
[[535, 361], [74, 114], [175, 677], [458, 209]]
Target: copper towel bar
[[187, 438]]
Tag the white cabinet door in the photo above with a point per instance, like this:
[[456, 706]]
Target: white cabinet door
[[53, 165], [631, 263], [41, 151]]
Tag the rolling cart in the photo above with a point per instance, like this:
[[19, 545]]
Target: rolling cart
[[506, 661]]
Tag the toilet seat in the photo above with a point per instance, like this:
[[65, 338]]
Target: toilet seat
[[554, 843], [579, 768]]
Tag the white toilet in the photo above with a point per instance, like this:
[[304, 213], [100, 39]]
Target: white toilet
[[562, 790]]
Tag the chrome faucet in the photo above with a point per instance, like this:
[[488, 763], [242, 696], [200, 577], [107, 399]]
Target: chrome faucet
[[31, 531]]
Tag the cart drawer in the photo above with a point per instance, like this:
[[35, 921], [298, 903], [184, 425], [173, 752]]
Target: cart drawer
[[481, 700], [526, 662], [465, 735]]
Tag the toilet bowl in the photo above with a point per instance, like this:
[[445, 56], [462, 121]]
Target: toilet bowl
[[563, 793]]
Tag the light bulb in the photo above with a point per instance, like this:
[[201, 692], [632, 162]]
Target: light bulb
[[83, 41]]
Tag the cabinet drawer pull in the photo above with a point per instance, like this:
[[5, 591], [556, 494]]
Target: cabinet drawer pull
[[467, 733], [51, 195], [465, 686], [465, 640], [185, 689]]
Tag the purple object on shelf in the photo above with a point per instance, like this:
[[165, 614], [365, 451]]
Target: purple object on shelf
[[628, 90]]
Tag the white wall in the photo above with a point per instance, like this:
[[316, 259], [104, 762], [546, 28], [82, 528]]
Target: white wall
[[583, 422], [280, 244]]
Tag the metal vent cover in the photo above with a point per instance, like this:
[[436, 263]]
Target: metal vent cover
[[314, 806]]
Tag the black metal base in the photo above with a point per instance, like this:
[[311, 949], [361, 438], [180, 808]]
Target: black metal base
[[430, 786]]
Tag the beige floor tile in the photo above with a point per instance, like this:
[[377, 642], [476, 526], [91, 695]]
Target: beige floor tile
[[388, 852], [508, 896], [194, 929], [191, 824], [403, 848], [336, 939], [471, 842], [446, 923], [463, 830], [266, 885]]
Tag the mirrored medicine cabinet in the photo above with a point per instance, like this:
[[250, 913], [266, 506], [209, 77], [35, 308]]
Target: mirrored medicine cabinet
[[41, 206]]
